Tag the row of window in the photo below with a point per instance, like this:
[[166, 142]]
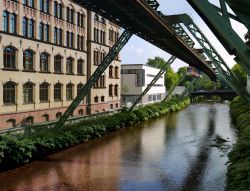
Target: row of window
[[116, 70], [9, 61], [99, 36], [44, 6], [9, 92], [28, 27]]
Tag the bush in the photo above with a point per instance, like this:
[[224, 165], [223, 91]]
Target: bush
[[238, 175], [16, 150]]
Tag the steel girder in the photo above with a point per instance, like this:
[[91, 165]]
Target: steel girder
[[156, 78], [121, 42], [222, 29]]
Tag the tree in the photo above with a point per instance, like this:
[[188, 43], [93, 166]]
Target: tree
[[170, 76], [241, 74]]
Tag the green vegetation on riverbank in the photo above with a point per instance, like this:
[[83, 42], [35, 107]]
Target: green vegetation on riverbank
[[16, 150], [238, 175]]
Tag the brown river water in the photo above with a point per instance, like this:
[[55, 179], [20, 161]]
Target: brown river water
[[174, 152]]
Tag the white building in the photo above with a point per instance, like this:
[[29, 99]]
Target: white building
[[134, 80]]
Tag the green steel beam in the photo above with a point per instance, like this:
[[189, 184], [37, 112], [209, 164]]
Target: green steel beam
[[122, 41], [223, 31], [156, 78]]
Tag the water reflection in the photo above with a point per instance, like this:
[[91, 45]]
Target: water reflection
[[170, 153]]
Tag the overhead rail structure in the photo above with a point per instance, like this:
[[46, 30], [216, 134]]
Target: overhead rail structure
[[218, 20], [221, 67], [141, 19]]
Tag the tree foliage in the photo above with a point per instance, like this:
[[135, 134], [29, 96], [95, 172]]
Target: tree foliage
[[241, 74]]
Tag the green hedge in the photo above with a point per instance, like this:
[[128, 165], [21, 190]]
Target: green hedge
[[16, 150], [238, 175]]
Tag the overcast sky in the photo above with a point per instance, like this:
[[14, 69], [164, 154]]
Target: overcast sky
[[137, 51]]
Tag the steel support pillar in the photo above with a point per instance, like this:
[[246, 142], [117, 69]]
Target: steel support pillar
[[121, 42], [156, 78], [223, 30], [173, 87]]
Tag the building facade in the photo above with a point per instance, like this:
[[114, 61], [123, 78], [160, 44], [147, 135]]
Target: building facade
[[48, 50], [134, 80]]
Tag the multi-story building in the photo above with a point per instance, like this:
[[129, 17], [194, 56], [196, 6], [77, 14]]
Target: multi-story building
[[48, 50], [134, 80]]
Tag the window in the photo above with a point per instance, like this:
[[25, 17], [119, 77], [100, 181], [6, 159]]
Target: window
[[58, 64], [13, 22], [58, 36], [96, 18], [28, 92], [44, 92], [96, 35], [55, 9], [102, 99], [111, 34], [116, 105], [44, 6], [116, 90], [96, 99], [28, 59], [111, 71], [31, 28], [70, 15], [58, 115], [9, 58], [58, 92], [5, 21], [46, 33], [96, 57], [29, 3], [116, 72], [69, 91], [79, 87], [60, 10], [70, 39], [80, 112], [41, 31], [28, 121], [44, 62], [103, 21], [80, 67], [46, 117], [80, 19], [111, 106], [9, 93], [69, 65], [25, 26], [11, 122], [80, 42], [111, 90]]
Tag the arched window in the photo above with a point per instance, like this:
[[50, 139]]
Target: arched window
[[111, 34], [58, 92], [111, 90], [13, 22], [82, 20], [60, 10], [28, 121], [79, 87], [69, 91], [80, 67], [46, 33], [96, 99], [28, 60], [5, 21], [58, 115], [116, 90], [116, 105], [96, 18], [28, 92], [116, 72], [44, 92], [102, 99], [68, 14], [11, 122], [72, 16], [9, 57], [80, 112], [9, 93], [46, 117], [69, 65], [58, 64], [111, 71], [44, 62]]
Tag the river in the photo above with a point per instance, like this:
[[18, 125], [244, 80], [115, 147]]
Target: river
[[174, 152]]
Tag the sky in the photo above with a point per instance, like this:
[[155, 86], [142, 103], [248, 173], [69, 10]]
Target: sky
[[138, 51]]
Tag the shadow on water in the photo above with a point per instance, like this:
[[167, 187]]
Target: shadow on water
[[198, 167]]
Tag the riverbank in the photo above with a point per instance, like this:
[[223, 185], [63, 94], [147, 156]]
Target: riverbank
[[17, 150], [238, 175]]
